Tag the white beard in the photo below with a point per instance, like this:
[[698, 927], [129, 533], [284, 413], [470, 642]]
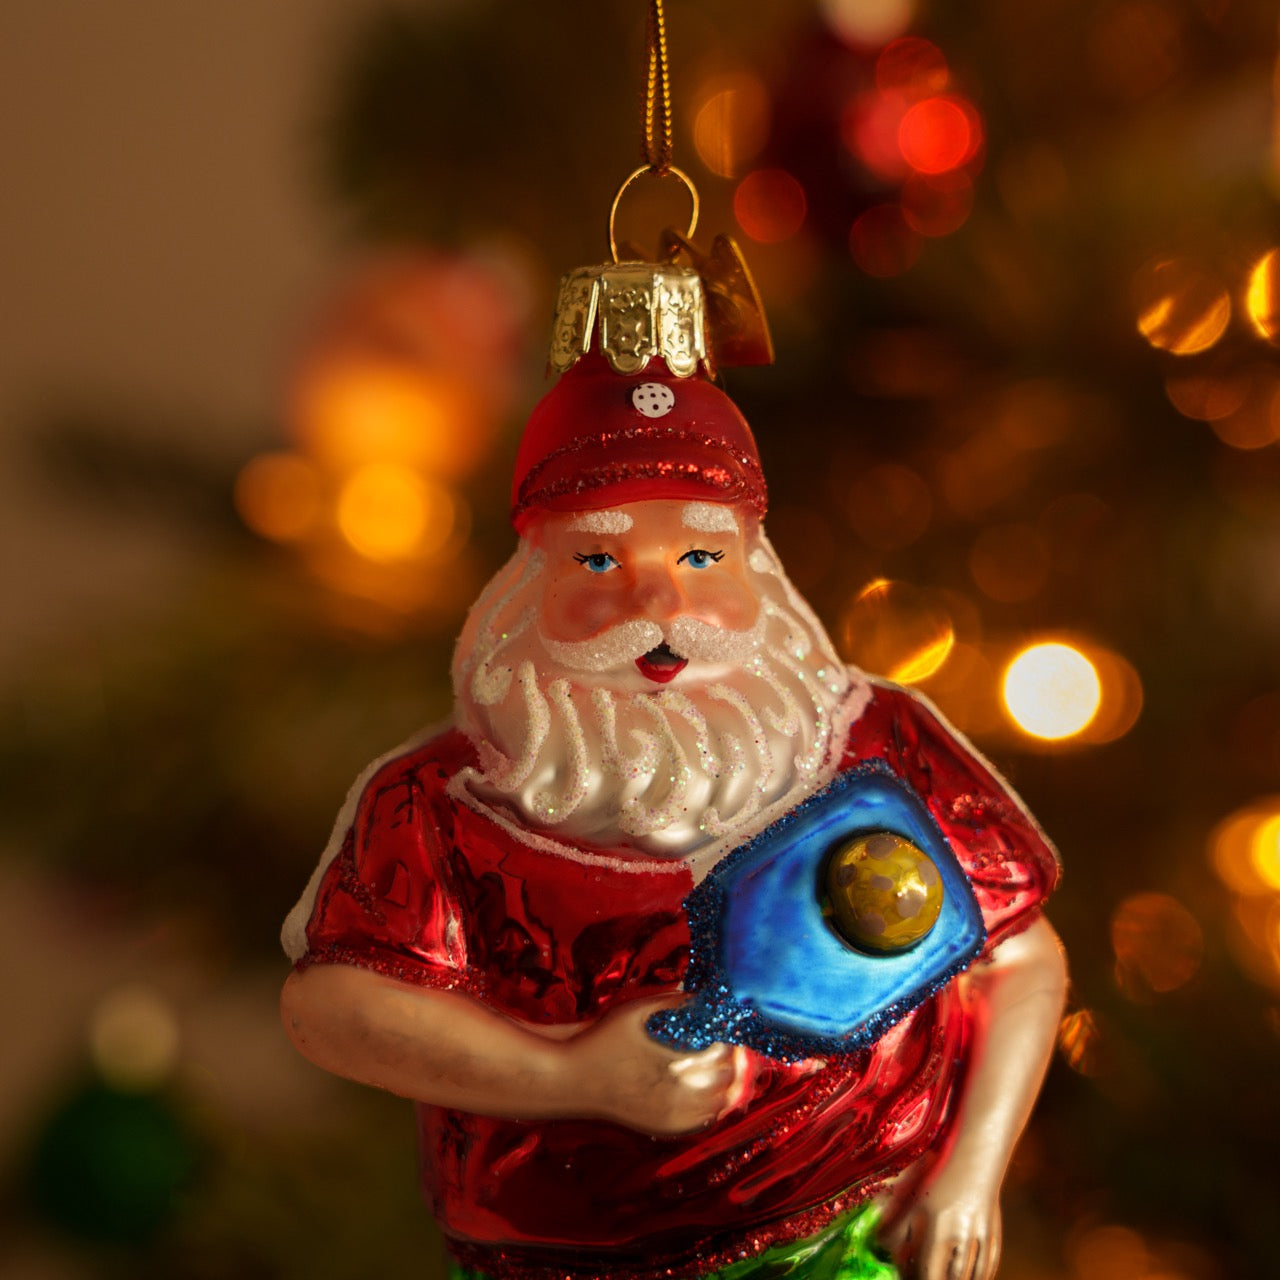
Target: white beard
[[576, 741]]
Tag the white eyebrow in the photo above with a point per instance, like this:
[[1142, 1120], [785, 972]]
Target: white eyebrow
[[709, 517], [601, 522]]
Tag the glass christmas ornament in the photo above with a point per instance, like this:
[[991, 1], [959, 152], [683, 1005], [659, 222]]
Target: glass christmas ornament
[[581, 923]]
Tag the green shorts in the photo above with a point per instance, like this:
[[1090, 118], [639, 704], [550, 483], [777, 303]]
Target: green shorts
[[844, 1251]]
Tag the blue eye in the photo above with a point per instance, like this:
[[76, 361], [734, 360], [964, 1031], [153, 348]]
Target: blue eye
[[699, 559], [600, 562]]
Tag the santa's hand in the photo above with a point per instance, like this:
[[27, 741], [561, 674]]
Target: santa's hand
[[945, 1236], [619, 1072]]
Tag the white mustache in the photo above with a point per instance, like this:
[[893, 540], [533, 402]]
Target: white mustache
[[690, 638]]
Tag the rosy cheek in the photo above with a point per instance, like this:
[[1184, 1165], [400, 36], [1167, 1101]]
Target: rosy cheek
[[577, 612], [725, 602]]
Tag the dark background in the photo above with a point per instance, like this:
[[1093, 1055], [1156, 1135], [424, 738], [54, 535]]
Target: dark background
[[275, 290]]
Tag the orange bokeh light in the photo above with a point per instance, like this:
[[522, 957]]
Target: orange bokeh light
[[350, 410], [1262, 300], [1079, 1042], [1256, 424], [387, 512], [1122, 697], [770, 205], [278, 495], [1208, 397], [1158, 944], [732, 124], [938, 134], [1183, 307], [1244, 849], [965, 687], [1110, 1253], [868, 23], [897, 630]]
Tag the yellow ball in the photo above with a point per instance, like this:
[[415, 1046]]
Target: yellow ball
[[885, 893]]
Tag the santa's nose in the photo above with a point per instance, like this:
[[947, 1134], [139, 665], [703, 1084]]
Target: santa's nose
[[655, 594]]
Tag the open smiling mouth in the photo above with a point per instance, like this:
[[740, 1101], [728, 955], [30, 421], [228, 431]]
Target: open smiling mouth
[[661, 664]]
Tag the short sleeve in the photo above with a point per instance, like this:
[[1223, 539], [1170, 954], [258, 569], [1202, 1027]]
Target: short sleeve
[[1010, 863], [384, 900]]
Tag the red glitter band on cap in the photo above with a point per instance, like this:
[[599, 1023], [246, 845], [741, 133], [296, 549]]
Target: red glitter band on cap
[[707, 466]]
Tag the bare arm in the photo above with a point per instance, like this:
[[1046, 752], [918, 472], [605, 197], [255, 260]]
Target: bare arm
[[444, 1048], [948, 1224]]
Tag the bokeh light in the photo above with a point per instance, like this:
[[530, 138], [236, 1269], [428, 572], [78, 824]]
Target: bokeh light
[[882, 242], [1262, 300], [1051, 690], [731, 126], [1158, 944], [1256, 423], [278, 495], [925, 662], [1137, 46], [1208, 397], [770, 205], [388, 512], [938, 134], [1183, 307], [868, 23], [396, 393], [1109, 1252], [907, 126], [869, 129], [912, 66], [1122, 697], [964, 687], [1256, 939], [1080, 1042], [1241, 850], [1264, 850], [350, 411], [133, 1038], [897, 630]]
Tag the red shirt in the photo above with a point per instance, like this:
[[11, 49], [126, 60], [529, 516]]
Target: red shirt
[[432, 892]]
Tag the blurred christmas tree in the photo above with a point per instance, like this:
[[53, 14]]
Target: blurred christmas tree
[[1021, 263]]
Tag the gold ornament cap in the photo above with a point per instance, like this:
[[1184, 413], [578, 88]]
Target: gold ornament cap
[[631, 313]]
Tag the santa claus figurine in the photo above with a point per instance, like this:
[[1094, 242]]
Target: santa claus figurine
[[702, 953]]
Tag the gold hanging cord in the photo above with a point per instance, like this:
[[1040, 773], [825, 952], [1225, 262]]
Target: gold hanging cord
[[737, 332], [657, 94], [657, 148]]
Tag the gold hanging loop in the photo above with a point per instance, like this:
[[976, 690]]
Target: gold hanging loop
[[670, 172]]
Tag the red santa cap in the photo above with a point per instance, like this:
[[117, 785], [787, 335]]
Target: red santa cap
[[633, 417]]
